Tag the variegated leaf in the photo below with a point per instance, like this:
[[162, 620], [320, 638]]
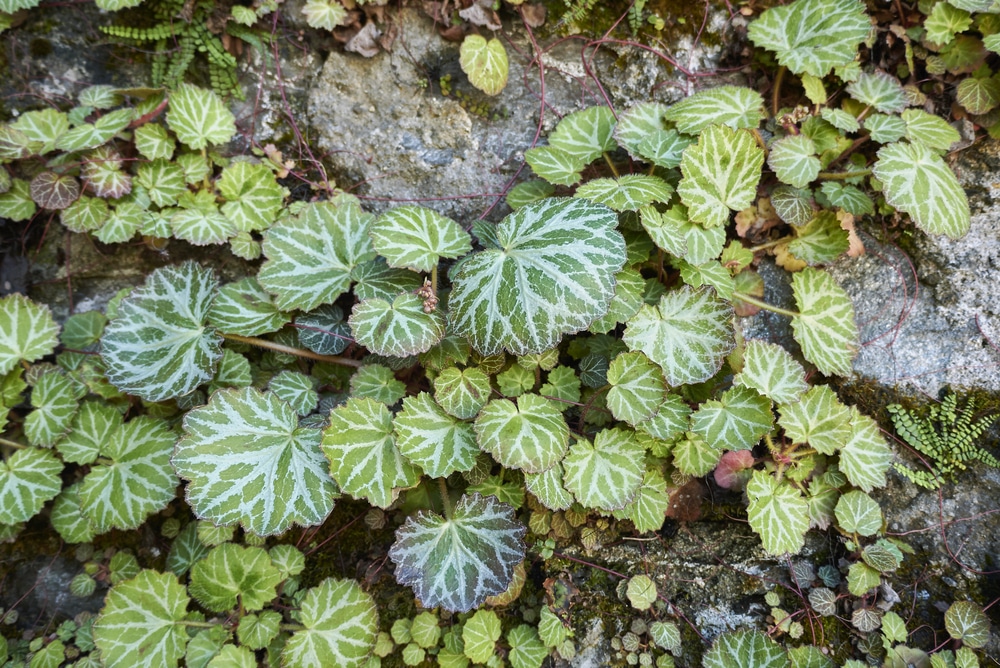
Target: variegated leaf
[[607, 474], [253, 196], [28, 478], [735, 422], [433, 440], [735, 106], [628, 192], [818, 419], [865, 457], [825, 326], [401, 328], [531, 435], [340, 623], [772, 371], [585, 134], [637, 387], [721, 173], [244, 308], [415, 237], [27, 331], [778, 513]]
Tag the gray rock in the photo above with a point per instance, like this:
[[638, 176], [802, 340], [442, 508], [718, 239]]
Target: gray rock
[[39, 590]]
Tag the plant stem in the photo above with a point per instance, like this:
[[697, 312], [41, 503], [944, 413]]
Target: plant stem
[[607, 158], [445, 499], [434, 280], [770, 244], [13, 444], [843, 176], [199, 625], [776, 90], [764, 305], [298, 352]]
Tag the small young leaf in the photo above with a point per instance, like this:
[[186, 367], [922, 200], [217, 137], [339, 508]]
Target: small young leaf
[[186, 550], [364, 459], [793, 205], [526, 648], [641, 592], [341, 623], [585, 135], [324, 14], [848, 198], [778, 513], [670, 420], [16, 204], [885, 129], [152, 141], [404, 327], [43, 127], [249, 462], [721, 173], [932, 131], [257, 631], [68, 519], [736, 422], [978, 95], [480, 635], [433, 440], [820, 241], [555, 165], [531, 435], [201, 223], [415, 237], [607, 474], [734, 106], [772, 371], [379, 383], [650, 505], [548, 488], [793, 159], [233, 572], [55, 399], [254, 196], [880, 91], [142, 622], [28, 478], [199, 117], [27, 331], [457, 563], [626, 193], [637, 387], [944, 22], [858, 513], [85, 214], [163, 181], [462, 392], [297, 389], [485, 63], [158, 346], [825, 326], [862, 578]]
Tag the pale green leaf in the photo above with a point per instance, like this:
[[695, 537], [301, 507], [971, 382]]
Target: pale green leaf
[[628, 192], [201, 226], [865, 457], [918, 182], [462, 392], [840, 119], [553, 274], [778, 513], [297, 389], [637, 387], [310, 257], [555, 165], [163, 181], [629, 289], [858, 513], [324, 14], [932, 131], [607, 474], [664, 148], [649, 507], [123, 222], [438, 443], [68, 519], [820, 241], [404, 327], [737, 421], [43, 128], [415, 237], [818, 419], [978, 95], [341, 623], [944, 22], [880, 91], [812, 36], [847, 197], [527, 192], [55, 399], [244, 308], [232, 573], [772, 371], [670, 420], [641, 591], [158, 346], [457, 563], [378, 382], [28, 478], [152, 141], [585, 135], [141, 623], [257, 631], [885, 128], [231, 656], [814, 89], [675, 233], [862, 578], [16, 204], [484, 62], [710, 273], [548, 488], [185, 550], [637, 123], [965, 621], [134, 479], [721, 173], [27, 331], [526, 648], [85, 214], [733, 106], [364, 458], [249, 462], [199, 117], [742, 649], [480, 635], [530, 434], [825, 326], [688, 334], [793, 159], [254, 196]]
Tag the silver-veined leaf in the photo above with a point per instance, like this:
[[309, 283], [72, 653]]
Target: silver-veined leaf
[[233, 573], [378, 382], [688, 333], [553, 274], [55, 399], [793, 159], [630, 287], [734, 106], [158, 347], [778, 513], [626, 193], [865, 457], [244, 308], [555, 165], [664, 148], [818, 419], [404, 327], [85, 214], [297, 389], [880, 91], [585, 134], [16, 204], [43, 127], [709, 273], [812, 36], [932, 131], [820, 241], [918, 182], [253, 196], [485, 63], [438, 443], [364, 458], [548, 488], [607, 473], [674, 232], [852, 200], [737, 421], [670, 420], [480, 635], [526, 648], [825, 326], [152, 141], [28, 478], [637, 123], [527, 192], [324, 331], [341, 625], [772, 371], [310, 256], [163, 181], [457, 563], [884, 128], [531, 435], [123, 222], [462, 392], [134, 478], [27, 331], [90, 431], [68, 519], [201, 225], [793, 205], [199, 117], [248, 461], [965, 621], [142, 622], [415, 237], [741, 649], [376, 279], [637, 387], [858, 513], [721, 173], [649, 507]]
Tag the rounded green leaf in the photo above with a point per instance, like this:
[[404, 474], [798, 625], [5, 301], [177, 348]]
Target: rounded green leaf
[[27, 331], [585, 134], [364, 459], [158, 346], [297, 389], [377, 382], [818, 419], [741, 649], [404, 327], [607, 474], [637, 123], [548, 488], [735, 422], [254, 196], [485, 63], [932, 131], [721, 173], [637, 387], [141, 623], [462, 392], [880, 91], [531, 435], [257, 631], [85, 214], [628, 192], [794, 160], [812, 36], [199, 117], [415, 237], [734, 106], [865, 457], [778, 513], [55, 399], [480, 635], [28, 478], [526, 648], [68, 518], [231, 573], [772, 371], [825, 326], [553, 274], [858, 513], [437, 442], [135, 478], [310, 256], [641, 592], [244, 308], [967, 622], [918, 182], [457, 563], [248, 462], [688, 334], [341, 624], [552, 164]]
